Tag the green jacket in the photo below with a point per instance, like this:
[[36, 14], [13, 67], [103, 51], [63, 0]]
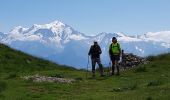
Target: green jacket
[[114, 49]]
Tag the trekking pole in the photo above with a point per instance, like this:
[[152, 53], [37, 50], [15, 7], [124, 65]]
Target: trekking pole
[[109, 68], [87, 66]]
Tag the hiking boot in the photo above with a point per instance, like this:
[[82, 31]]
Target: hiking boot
[[102, 75], [111, 74], [93, 75]]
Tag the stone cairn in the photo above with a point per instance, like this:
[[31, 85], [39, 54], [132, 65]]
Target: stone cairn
[[130, 60]]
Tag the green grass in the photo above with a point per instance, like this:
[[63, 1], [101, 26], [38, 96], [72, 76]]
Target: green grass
[[146, 82]]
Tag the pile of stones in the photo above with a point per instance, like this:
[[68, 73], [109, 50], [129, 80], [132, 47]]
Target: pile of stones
[[38, 78], [130, 60]]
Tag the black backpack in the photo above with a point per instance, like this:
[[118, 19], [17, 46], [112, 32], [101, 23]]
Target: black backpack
[[96, 49]]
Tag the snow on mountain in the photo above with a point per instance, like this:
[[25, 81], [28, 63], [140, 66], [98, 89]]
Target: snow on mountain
[[52, 33], [62, 44], [18, 30], [159, 37], [2, 35]]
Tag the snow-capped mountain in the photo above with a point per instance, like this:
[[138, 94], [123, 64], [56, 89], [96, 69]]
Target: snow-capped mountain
[[62, 44], [159, 37], [2, 35], [56, 32]]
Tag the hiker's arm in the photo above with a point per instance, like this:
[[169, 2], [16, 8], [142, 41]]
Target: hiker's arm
[[110, 51], [100, 51]]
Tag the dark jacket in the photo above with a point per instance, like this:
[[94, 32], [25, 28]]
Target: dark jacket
[[95, 51]]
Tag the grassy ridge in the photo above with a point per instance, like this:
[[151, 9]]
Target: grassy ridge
[[16, 61], [146, 82]]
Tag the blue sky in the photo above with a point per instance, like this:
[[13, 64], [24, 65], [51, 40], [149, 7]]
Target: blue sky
[[89, 16]]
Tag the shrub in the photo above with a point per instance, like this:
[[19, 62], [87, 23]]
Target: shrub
[[150, 58], [11, 76], [162, 56], [117, 90], [149, 98], [154, 83], [58, 75], [79, 79], [153, 65], [2, 96], [131, 86], [2, 86], [141, 68]]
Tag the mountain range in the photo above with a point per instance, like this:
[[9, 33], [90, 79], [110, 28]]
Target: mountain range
[[62, 44]]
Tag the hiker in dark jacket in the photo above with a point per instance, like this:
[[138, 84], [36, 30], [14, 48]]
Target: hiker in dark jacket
[[114, 52], [95, 52]]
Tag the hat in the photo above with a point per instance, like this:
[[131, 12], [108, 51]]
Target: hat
[[114, 38], [95, 41]]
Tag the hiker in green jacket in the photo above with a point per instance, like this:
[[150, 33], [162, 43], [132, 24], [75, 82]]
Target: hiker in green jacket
[[114, 52]]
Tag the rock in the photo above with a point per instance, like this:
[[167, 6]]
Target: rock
[[38, 78]]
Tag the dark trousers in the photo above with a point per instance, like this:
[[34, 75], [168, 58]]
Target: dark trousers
[[113, 67], [115, 59], [94, 61]]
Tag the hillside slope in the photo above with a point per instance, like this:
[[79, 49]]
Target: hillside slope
[[15, 61], [145, 82]]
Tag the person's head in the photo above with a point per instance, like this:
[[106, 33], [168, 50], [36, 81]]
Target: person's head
[[114, 40], [95, 43]]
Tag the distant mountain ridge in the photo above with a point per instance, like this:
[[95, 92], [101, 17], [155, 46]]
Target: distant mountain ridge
[[62, 44]]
